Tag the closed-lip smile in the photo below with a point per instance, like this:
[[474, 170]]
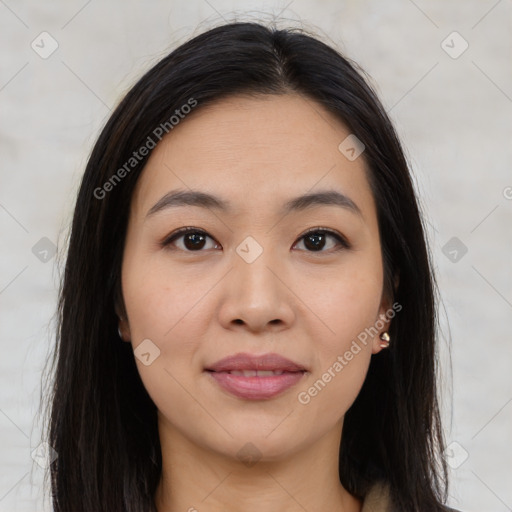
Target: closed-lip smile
[[254, 377]]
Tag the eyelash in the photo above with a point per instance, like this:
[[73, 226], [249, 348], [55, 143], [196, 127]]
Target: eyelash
[[344, 244]]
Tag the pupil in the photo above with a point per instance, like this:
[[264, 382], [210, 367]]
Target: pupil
[[196, 240], [317, 241]]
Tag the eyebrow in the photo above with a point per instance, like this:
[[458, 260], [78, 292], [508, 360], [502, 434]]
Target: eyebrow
[[178, 198]]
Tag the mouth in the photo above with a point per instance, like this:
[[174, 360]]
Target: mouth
[[256, 377], [255, 373]]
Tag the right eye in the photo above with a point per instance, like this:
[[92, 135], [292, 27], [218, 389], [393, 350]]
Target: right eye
[[191, 240]]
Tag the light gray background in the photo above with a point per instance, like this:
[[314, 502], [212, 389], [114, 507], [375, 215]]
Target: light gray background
[[453, 115]]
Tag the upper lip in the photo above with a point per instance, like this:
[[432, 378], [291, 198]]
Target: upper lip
[[240, 362]]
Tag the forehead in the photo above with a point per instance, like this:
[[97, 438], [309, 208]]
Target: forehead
[[254, 151]]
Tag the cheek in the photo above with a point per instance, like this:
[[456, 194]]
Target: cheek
[[347, 305], [162, 307], [160, 300], [342, 360], [347, 301]]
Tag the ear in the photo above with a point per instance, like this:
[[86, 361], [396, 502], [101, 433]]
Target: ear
[[387, 311], [124, 326], [382, 323]]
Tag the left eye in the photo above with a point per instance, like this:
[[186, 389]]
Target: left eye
[[194, 240], [315, 240]]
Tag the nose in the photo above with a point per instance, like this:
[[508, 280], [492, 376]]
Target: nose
[[256, 296]]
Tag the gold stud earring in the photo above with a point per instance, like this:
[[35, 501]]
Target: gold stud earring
[[385, 340]]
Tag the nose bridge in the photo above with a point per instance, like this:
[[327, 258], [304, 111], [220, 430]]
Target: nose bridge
[[256, 267], [256, 292]]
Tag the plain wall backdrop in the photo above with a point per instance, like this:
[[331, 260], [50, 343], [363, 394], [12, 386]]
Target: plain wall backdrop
[[443, 72]]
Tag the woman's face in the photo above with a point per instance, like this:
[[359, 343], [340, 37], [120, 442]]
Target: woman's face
[[246, 280]]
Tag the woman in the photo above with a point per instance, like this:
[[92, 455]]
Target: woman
[[248, 313]]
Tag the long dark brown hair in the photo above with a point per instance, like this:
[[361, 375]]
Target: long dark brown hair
[[101, 421]]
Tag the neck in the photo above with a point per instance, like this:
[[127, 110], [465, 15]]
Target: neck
[[197, 479]]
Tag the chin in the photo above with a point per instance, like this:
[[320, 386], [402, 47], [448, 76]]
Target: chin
[[264, 444]]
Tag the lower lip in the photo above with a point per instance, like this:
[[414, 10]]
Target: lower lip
[[256, 388]]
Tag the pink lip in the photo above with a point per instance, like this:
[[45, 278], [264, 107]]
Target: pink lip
[[256, 387]]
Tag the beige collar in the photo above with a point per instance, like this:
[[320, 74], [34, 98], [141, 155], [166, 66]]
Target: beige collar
[[377, 499]]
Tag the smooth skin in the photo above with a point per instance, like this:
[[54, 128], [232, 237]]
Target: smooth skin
[[198, 305]]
